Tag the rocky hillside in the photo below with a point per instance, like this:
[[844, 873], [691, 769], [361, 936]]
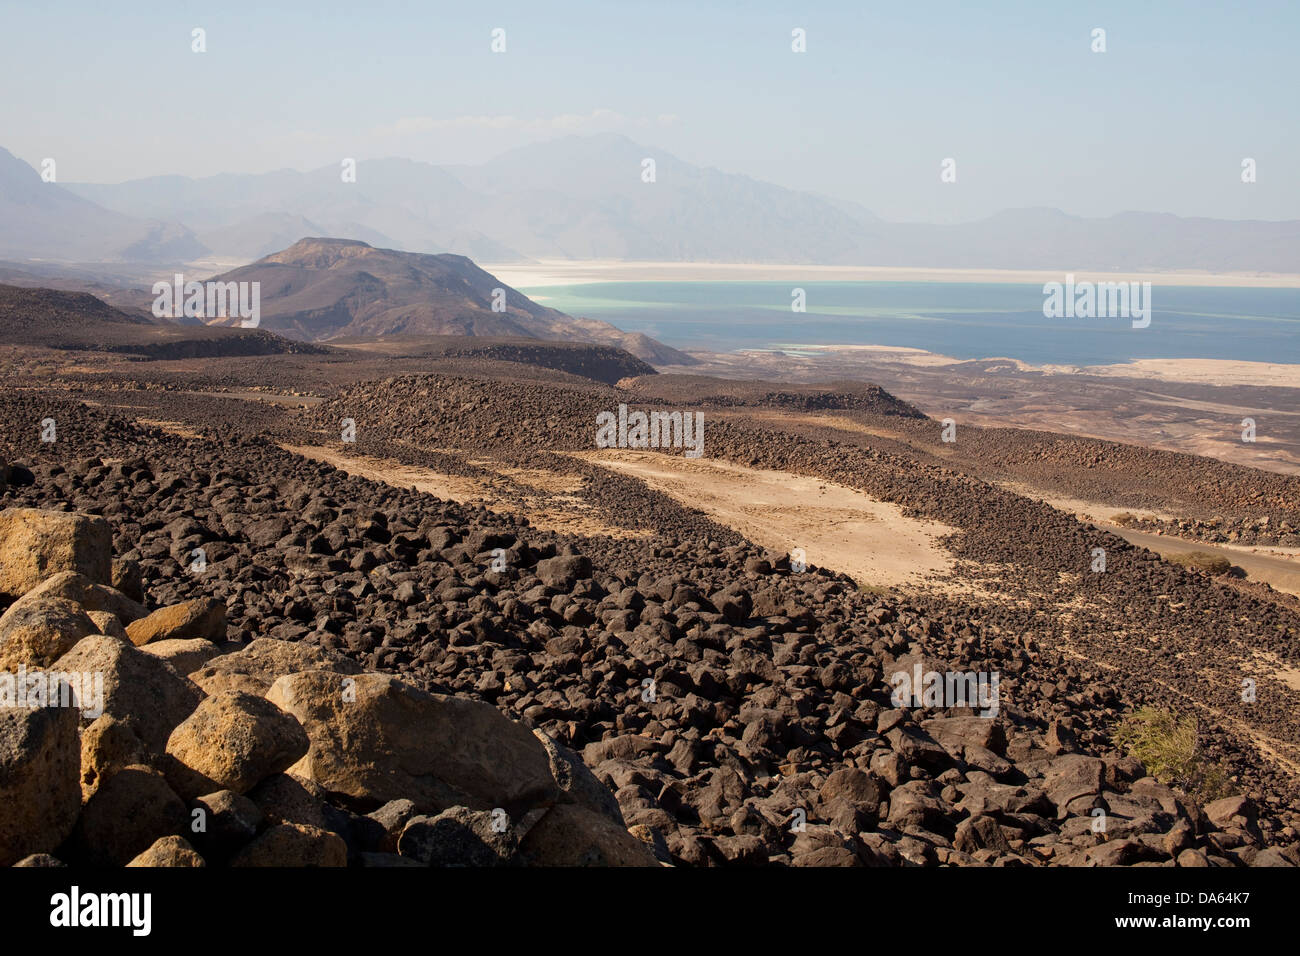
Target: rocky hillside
[[739, 709]]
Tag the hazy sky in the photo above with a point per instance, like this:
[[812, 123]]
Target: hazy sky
[[1012, 91]]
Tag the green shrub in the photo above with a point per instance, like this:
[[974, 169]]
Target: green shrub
[[1170, 749]]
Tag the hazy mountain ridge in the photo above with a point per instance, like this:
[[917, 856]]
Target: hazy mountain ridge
[[584, 198], [41, 219]]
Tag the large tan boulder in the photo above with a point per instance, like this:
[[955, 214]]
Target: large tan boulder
[[39, 792], [130, 810], [572, 835], [139, 689], [294, 844], [376, 738], [37, 633], [235, 741], [255, 668], [91, 596], [169, 851], [202, 618], [186, 656], [36, 544]]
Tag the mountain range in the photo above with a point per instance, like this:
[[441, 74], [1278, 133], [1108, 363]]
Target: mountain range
[[585, 198]]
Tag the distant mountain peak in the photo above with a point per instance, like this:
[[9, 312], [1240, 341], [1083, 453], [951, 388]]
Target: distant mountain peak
[[320, 253]]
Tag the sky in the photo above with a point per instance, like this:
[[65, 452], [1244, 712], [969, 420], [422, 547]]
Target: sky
[[885, 92]]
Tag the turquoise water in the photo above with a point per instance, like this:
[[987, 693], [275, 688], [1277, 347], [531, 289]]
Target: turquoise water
[[964, 320]]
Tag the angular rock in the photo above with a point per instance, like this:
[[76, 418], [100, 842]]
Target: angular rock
[[375, 738], [185, 656], [128, 579], [89, 595], [564, 571], [459, 837], [392, 818], [39, 792], [34, 634], [980, 833], [127, 813], [139, 689], [108, 624], [201, 618], [288, 798], [35, 545], [254, 669], [224, 822], [1070, 778], [107, 746], [1230, 811], [576, 781], [236, 740]]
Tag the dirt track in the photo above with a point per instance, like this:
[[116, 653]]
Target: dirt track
[[1282, 573], [837, 527]]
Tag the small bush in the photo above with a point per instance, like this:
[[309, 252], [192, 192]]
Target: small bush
[[1202, 561], [1169, 747]]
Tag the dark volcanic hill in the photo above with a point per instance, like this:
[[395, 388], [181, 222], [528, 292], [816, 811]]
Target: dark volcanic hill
[[321, 289], [52, 318]]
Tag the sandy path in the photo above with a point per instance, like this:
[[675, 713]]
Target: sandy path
[[837, 527], [552, 508]]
